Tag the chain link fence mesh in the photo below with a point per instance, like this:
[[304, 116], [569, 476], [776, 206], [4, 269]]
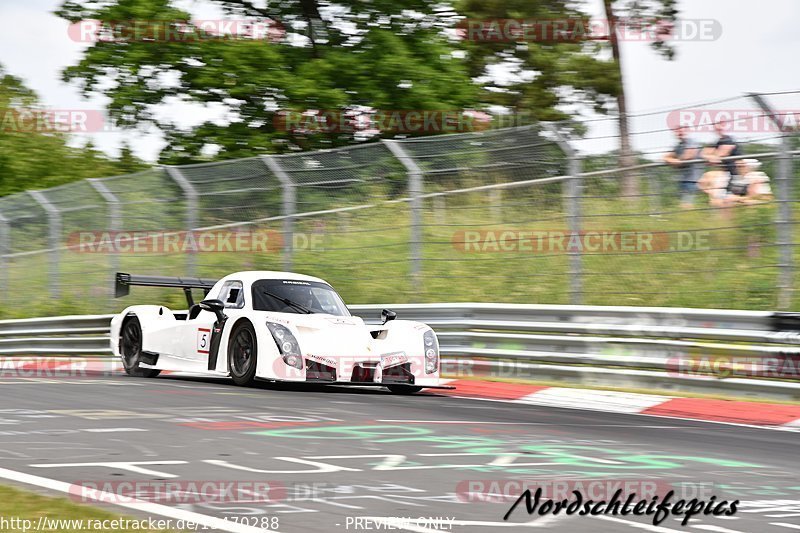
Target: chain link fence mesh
[[500, 215]]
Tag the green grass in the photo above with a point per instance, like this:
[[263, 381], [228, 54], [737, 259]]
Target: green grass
[[25, 505], [366, 256]]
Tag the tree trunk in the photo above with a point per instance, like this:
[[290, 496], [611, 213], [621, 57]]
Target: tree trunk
[[630, 181]]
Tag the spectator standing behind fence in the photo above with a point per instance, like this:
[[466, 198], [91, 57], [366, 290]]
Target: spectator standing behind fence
[[686, 150], [724, 180]]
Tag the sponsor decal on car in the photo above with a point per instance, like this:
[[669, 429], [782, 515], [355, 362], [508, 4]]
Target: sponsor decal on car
[[393, 359], [320, 359], [341, 321]]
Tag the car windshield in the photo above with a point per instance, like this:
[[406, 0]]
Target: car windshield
[[294, 296]]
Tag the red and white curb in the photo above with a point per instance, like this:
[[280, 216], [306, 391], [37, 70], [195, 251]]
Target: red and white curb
[[728, 411]]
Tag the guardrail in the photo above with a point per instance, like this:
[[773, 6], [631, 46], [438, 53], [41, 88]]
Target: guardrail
[[628, 347], [61, 335]]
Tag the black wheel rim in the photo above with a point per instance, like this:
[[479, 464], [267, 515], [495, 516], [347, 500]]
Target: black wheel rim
[[242, 352], [131, 342]]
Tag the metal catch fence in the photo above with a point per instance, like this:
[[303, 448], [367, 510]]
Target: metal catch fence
[[530, 214]]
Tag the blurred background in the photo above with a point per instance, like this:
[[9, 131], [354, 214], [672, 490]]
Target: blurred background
[[409, 151]]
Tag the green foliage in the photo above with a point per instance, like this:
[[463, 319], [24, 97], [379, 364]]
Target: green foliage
[[388, 55], [32, 159], [390, 60], [364, 254], [574, 66]]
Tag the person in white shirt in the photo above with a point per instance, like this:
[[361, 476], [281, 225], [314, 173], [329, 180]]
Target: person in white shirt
[[756, 183]]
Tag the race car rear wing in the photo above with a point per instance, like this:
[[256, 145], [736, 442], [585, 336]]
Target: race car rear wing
[[123, 283]]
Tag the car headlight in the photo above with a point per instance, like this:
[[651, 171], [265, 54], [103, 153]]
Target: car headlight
[[287, 345], [431, 352]]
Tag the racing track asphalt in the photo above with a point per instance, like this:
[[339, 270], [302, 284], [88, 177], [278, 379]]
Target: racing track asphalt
[[310, 444]]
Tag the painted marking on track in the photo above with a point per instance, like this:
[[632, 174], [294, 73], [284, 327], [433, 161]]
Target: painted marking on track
[[484, 423], [784, 524], [462, 422], [83, 381], [645, 527], [136, 505], [716, 529], [122, 465], [112, 430], [790, 506], [321, 468]]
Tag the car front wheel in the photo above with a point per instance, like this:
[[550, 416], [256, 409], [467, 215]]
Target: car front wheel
[[242, 353]]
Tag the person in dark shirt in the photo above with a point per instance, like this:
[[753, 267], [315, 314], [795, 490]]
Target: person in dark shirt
[[685, 150], [725, 146]]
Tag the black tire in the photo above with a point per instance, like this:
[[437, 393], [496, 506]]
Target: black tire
[[403, 389], [130, 347], [243, 353]]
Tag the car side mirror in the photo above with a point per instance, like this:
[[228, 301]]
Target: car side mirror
[[215, 306], [387, 315]]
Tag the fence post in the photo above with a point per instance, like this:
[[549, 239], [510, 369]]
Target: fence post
[[114, 222], [54, 239], [415, 189], [5, 234], [289, 207], [783, 220], [573, 192], [192, 205]]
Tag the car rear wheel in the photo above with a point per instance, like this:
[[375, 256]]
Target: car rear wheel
[[130, 347], [403, 389], [243, 353]]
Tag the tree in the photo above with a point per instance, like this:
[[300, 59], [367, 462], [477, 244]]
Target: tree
[[383, 54], [549, 73], [34, 157], [643, 15], [127, 162], [575, 65]]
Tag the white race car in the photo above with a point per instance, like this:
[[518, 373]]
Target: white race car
[[273, 326]]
